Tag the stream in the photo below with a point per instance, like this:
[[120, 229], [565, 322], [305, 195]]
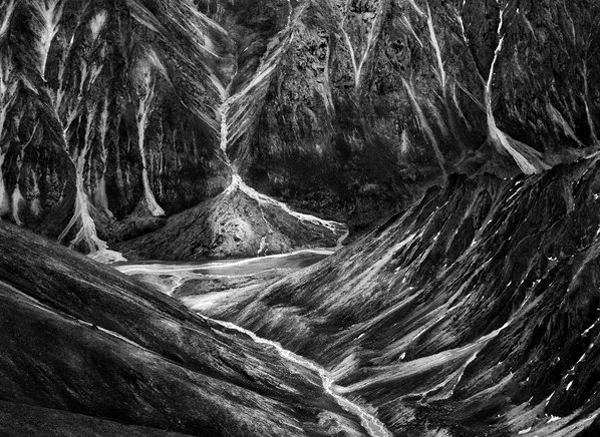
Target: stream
[[373, 426]]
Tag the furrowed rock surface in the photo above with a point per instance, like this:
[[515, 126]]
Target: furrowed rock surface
[[114, 114], [87, 348], [376, 94], [475, 313]]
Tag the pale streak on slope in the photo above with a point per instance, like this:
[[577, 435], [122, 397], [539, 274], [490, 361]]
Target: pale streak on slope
[[389, 374], [370, 423], [371, 39], [348, 42], [143, 111], [438, 52], [459, 17], [7, 15], [49, 16], [4, 197], [8, 95], [416, 7], [238, 184], [207, 22], [236, 110], [424, 124], [87, 232], [497, 136]]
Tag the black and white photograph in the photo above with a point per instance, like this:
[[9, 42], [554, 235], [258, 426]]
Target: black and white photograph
[[299, 218]]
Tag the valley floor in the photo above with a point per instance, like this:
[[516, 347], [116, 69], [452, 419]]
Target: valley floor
[[202, 286]]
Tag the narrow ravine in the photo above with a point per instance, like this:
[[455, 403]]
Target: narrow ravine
[[373, 426]]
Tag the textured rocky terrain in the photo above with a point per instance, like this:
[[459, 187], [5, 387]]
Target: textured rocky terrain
[[116, 114], [475, 313], [461, 136], [87, 349], [238, 222], [376, 94]]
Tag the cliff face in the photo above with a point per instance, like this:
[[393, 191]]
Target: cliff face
[[107, 111], [379, 93], [475, 313], [115, 114]]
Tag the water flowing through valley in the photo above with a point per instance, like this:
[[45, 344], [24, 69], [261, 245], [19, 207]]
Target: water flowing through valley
[[235, 268], [370, 423]]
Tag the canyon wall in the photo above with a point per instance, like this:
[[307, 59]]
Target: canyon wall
[[115, 115]]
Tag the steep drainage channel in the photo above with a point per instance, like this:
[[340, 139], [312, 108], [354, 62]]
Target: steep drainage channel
[[373, 426]]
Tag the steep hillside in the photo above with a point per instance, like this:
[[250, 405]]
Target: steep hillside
[[114, 114], [475, 313], [238, 222], [86, 348], [376, 94]]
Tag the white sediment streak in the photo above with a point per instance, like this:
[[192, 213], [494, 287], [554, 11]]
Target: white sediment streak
[[416, 7], [8, 95], [497, 136], [144, 109], [261, 199], [17, 201], [7, 14], [424, 124], [49, 14], [438, 51], [371, 40], [4, 197], [373, 426], [459, 17], [351, 51]]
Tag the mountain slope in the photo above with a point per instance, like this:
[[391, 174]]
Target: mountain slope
[[475, 313], [82, 339], [383, 93], [238, 222], [114, 114]]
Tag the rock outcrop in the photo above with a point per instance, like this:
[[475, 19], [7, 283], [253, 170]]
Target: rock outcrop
[[114, 114]]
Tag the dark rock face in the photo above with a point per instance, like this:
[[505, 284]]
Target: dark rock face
[[463, 85], [115, 113], [102, 107], [475, 313], [85, 348]]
